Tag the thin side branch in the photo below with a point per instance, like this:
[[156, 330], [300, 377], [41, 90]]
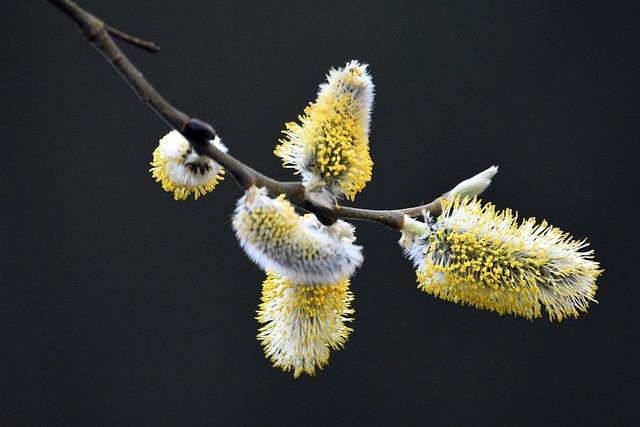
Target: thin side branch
[[200, 133], [149, 46]]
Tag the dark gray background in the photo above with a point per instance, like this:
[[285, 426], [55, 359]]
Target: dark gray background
[[120, 306]]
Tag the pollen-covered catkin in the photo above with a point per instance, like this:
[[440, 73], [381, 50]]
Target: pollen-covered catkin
[[181, 170], [330, 147], [303, 323], [473, 254]]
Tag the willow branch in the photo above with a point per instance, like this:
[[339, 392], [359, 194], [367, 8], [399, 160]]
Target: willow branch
[[199, 133]]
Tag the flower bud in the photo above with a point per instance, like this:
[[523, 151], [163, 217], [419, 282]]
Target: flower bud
[[472, 186]]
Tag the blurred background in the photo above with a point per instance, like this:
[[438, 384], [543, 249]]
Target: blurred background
[[120, 306]]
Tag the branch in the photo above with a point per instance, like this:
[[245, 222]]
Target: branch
[[200, 133], [149, 46]]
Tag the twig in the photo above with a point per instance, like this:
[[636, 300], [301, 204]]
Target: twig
[[200, 133], [149, 46]]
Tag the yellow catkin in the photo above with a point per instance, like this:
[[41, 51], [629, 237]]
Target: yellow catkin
[[478, 256], [303, 323], [331, 145], [181, 171]]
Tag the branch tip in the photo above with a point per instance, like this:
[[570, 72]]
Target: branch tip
[[149, 46]]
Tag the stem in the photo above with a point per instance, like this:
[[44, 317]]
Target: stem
[[142, 44], [200, 133]]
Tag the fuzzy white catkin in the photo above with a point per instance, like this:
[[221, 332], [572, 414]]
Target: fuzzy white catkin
[[278, 239], [181, 170], [302, 323]]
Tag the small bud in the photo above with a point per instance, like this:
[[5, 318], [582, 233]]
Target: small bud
[[199, 130], [411, 230], [473, 186], [181, 170]]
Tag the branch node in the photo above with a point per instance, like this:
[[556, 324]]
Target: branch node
[[94, 30], [249, 183], [117, 58]]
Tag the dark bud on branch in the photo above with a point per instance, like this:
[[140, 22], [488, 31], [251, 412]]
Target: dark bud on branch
[[198, 131]]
